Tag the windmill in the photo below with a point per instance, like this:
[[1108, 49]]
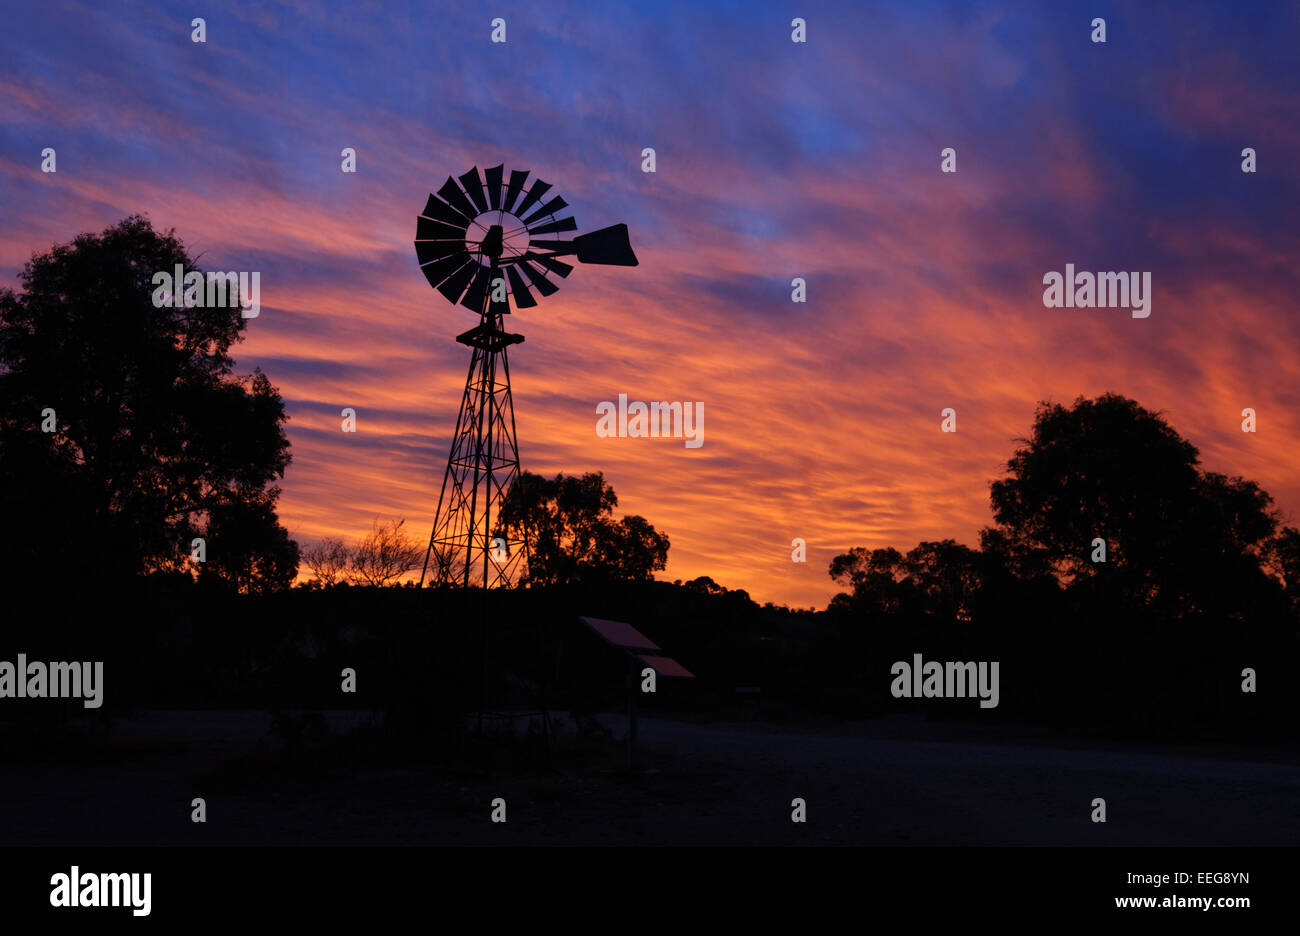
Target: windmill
[[485, 243]]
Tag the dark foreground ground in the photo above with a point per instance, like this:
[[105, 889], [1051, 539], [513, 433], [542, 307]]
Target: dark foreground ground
[[867, 783]]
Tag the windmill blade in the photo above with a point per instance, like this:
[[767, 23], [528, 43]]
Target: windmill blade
[[554, 206], [452, 194], [478, 290], [493, 177], [429, 251], [609, 246], [454, 285], [429, 229], [474, 189], [549, 261], [539, 189], [539, 280], [438, 271], [564, 224], [517, 179], [439, 210], [523, 298]]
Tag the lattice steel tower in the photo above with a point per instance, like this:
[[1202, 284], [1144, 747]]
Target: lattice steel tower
[[481, 241]]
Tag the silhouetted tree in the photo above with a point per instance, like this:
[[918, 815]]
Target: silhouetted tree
[[946, 575], [1283, 560], [631, 548], [249, 549], [1178, 539], [934, 584], [571, 533], [153, 435], [706, 585], [874, 576], [384, 554], [327, 559]]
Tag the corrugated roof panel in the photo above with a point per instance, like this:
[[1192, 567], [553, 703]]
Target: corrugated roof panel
[[620, 634], [666, 666]]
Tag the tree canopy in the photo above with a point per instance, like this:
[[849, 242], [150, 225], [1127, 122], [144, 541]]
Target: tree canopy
[[571, 533], [124, 432], [1178, 539]]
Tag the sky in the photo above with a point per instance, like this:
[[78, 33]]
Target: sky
[[774, 160]]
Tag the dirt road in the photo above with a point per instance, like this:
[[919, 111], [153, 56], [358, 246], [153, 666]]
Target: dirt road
[[722, 784]]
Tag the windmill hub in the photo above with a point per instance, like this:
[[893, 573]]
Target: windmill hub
[[493, 244], [476, 230]]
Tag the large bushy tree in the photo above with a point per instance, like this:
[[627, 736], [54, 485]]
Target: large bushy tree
[[1179, 540], [155, 441], [571, 533]]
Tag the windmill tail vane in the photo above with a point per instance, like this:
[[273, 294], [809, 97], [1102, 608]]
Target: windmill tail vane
[[486, 242]]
